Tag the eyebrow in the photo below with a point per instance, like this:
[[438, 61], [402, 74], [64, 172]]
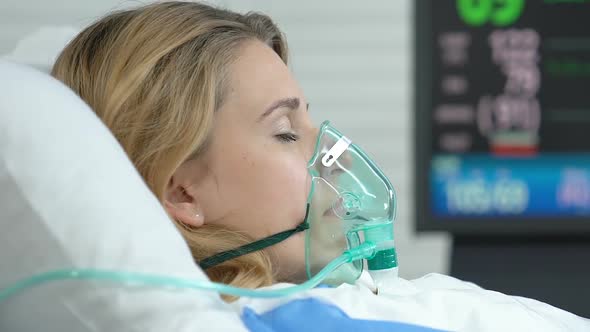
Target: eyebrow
[[289, 103]]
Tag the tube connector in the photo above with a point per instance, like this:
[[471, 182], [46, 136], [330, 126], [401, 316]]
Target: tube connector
[[366, 250], [383, 259], [385, 256]]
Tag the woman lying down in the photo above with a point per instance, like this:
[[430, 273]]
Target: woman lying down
[[203, 103]]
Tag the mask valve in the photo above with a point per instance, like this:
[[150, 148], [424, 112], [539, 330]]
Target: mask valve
[[347, 206]]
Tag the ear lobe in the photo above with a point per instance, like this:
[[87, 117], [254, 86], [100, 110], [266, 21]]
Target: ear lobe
[[187, 213]]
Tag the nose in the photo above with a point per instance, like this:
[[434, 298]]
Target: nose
[[345, 160], [336, 156]]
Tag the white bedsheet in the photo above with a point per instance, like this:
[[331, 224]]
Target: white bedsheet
[[440, 302]]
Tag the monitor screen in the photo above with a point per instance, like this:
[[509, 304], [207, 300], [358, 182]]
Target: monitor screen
[[502, 116]]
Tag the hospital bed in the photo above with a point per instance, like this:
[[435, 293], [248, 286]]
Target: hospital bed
[[70, 198]]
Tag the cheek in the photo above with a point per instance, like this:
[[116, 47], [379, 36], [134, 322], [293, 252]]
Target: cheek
[[291, 180], [277, 187], [262, 188], [284, 178]]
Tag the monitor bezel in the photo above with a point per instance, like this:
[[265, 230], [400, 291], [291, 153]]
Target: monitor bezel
[[425, 219]]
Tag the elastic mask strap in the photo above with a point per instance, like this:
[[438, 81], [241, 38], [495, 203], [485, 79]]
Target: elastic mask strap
[[254, 246]]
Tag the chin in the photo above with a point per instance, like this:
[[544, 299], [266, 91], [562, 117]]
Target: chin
[[289, 258]]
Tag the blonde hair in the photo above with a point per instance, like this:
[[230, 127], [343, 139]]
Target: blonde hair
[[155, 76]]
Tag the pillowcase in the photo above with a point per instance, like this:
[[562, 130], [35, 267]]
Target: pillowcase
[[70, 198]]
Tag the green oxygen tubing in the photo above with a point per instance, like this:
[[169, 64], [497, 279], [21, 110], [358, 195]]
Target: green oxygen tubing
[[365, 251]]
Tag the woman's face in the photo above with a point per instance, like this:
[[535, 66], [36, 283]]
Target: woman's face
[[253, 176]]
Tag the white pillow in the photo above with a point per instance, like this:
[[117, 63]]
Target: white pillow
[[69, 197], [41, 47]]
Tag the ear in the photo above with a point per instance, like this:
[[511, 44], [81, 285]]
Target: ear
[[182, 206]]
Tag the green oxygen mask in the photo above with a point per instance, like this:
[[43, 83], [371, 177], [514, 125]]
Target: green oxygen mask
[[351, 208], [351, 203]]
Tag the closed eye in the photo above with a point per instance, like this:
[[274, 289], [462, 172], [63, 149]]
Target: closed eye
[[287, 137]]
